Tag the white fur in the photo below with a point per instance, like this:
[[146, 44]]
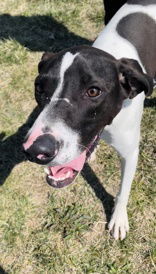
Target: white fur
[[67, 61], [62, 99], [63, 133], [124, 134]]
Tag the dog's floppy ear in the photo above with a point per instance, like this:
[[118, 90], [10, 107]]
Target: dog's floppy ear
[[132, 78], [47, 55], [44, 58]]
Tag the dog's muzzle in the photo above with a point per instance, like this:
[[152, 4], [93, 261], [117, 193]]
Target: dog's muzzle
[[45, 148], [63, 175]]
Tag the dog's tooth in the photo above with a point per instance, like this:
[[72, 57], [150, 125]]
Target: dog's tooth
[[59, 178], [46, 170], [67, 175], [50, 177], [56, 179], [53, 178]]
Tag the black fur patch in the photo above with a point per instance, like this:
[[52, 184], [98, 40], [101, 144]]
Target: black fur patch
[[141, 2], [140, 30]]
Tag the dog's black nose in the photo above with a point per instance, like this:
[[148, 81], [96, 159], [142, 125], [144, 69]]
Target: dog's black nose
[[43, 149]]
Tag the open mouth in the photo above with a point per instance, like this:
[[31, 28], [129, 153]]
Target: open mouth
[[63, 175]]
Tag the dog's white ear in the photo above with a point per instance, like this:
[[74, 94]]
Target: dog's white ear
[[132, 78], [44, 58]]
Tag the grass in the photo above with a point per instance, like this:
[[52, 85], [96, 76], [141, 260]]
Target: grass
[[43, 230]]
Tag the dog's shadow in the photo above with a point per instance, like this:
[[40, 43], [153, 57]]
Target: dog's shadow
[[150, 102], [11, 151], [100, 192], [38, 32], [2, 271]]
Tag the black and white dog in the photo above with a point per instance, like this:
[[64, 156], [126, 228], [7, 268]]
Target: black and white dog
[[85, 90]]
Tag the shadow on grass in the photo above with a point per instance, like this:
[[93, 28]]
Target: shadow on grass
[[106, 198], [38, 32], [11, 152], [2, 271], [111, 7], [150, 102]]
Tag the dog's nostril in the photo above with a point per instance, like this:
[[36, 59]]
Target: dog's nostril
[[45, 156]]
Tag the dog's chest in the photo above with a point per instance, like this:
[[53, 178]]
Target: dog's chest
[[126, 123]]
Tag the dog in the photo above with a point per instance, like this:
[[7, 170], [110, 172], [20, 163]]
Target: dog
[[86, 92]]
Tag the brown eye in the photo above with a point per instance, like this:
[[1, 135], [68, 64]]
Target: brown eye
[[93, 92]]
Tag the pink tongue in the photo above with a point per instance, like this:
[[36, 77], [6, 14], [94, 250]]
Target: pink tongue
[[76, 164]]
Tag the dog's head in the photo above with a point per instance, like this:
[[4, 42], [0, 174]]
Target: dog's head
[[79, 91]]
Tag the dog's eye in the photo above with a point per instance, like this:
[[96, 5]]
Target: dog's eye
[[93, 92]]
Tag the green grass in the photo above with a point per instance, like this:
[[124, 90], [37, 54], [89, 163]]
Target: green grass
[[43, 230]]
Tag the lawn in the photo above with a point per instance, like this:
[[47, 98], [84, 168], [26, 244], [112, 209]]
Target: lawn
[[44, 230]]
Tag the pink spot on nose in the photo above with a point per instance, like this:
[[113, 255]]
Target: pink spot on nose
[[32, 137]]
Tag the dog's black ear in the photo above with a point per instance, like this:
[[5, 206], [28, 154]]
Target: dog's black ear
[[44, 58], [47, 55], [133, 79]]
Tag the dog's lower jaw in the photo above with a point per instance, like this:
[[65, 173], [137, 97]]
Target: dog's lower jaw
[[61, 183]]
